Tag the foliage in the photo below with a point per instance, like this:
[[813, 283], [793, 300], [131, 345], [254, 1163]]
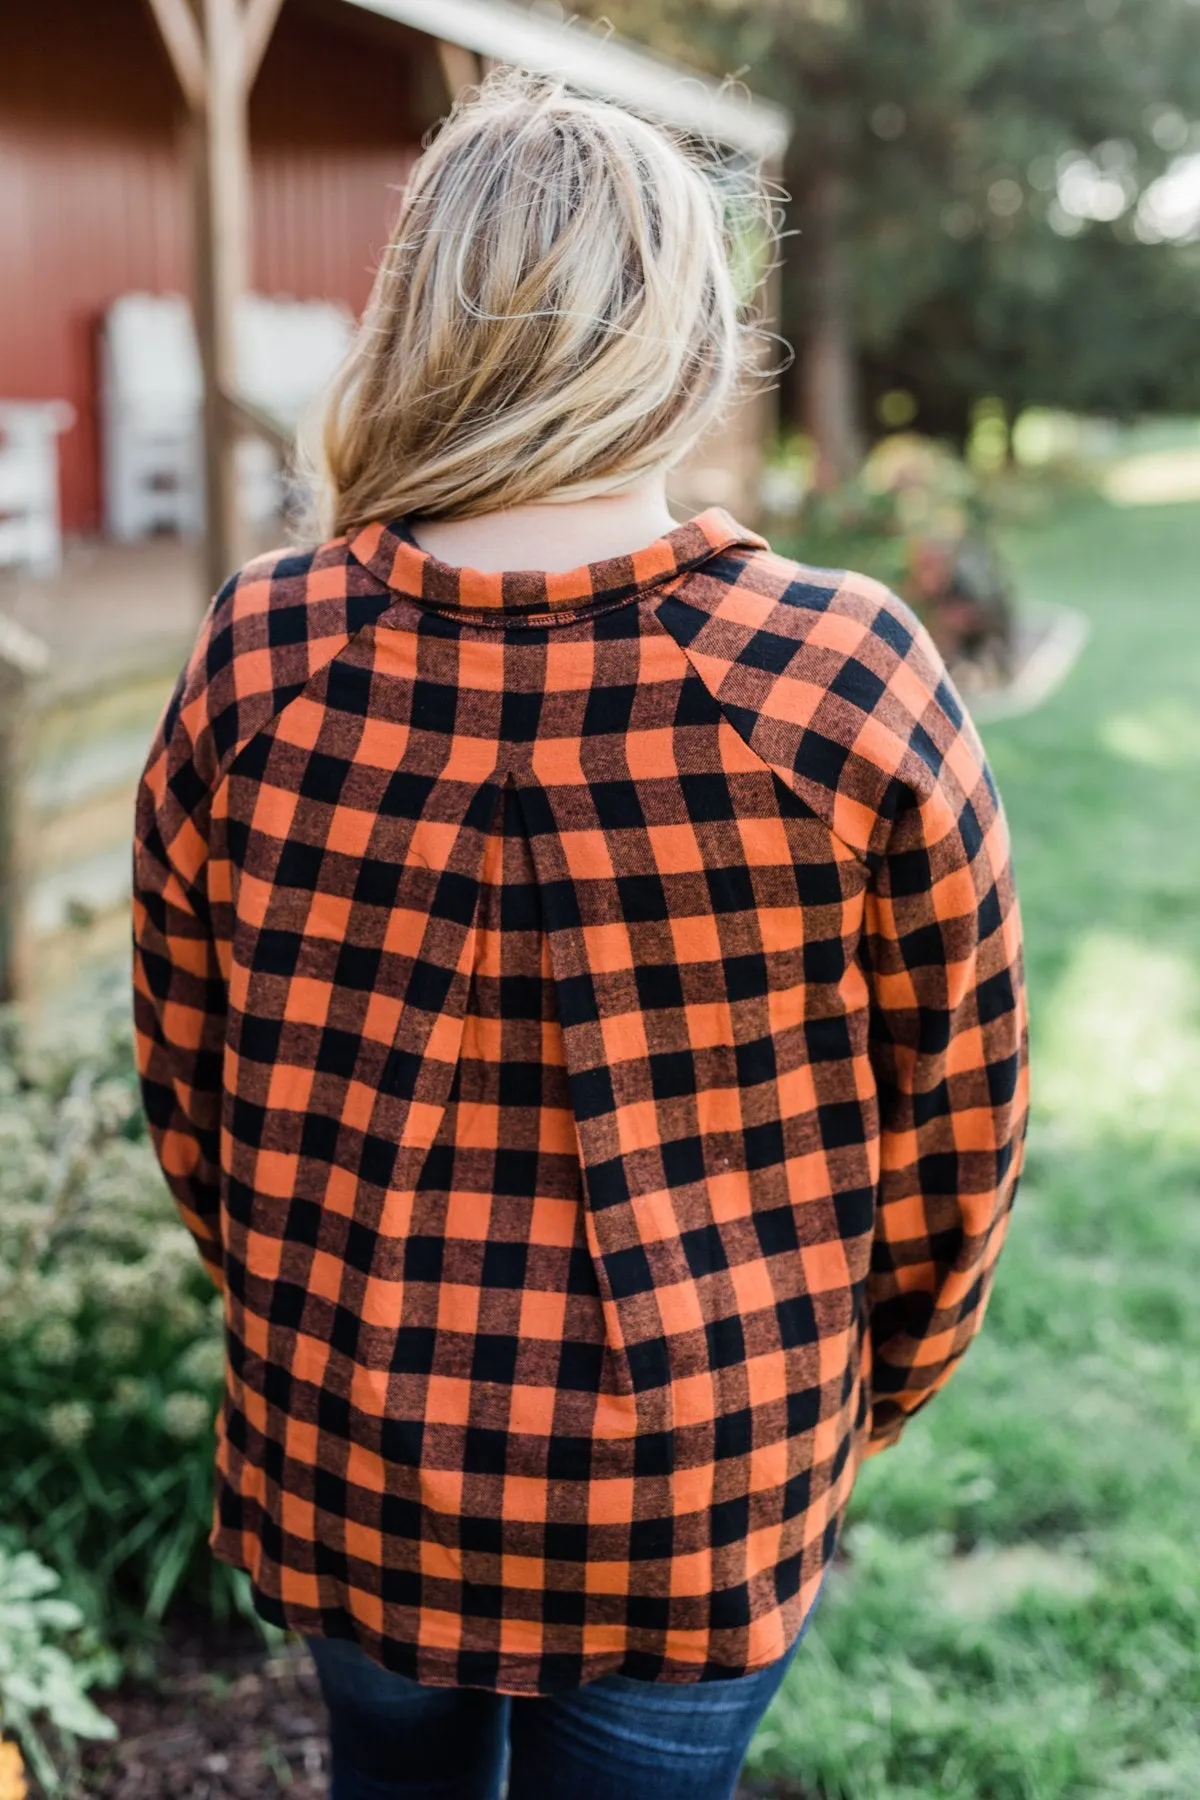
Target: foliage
[[947, 122], [1072, 1430], [48, 1661], [919, 519], [109, 1334]]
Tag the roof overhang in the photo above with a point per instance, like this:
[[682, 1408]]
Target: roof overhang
[[606, 66]]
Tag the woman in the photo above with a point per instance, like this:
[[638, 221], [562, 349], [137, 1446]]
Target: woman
[[579, 1004]]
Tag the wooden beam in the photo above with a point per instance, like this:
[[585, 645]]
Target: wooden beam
[[460, 68], [181, 37], [257, 26], [254, 420], [216, 51], [222, 156]]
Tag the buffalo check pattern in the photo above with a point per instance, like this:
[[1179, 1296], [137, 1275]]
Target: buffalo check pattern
[[581, 1020]]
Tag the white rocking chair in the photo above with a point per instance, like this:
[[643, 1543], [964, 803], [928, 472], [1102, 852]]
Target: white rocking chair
[[30, 524], [151, 396]]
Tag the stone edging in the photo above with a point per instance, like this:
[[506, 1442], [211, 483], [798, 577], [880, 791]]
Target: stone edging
[[1058, 635]]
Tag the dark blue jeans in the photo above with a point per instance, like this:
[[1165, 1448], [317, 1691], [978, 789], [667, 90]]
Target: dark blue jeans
[[614, 1739]]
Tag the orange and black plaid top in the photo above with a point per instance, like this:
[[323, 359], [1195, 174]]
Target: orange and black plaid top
[[581, 1019]]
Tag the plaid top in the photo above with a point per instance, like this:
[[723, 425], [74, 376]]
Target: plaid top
[[581, 1019]]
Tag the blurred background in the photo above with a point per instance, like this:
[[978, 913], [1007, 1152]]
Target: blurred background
[[989, 280]]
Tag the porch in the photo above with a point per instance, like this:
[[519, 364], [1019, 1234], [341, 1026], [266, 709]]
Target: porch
[[116, 623]]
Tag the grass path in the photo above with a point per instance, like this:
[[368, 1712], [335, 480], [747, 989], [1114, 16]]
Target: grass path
[[1021, 1616]]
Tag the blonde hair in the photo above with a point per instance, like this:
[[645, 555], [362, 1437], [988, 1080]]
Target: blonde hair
[[556, 314]]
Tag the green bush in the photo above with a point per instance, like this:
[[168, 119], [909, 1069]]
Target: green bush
[[919, 519], [48, 1661], [109, 1332]]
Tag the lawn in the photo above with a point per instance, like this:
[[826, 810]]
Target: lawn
[[1019, 1617]]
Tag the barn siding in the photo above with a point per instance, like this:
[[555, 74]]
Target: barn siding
[[94, 199]]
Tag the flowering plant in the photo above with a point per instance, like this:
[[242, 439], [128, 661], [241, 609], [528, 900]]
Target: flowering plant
[[109, 1330], [917, 519], [48, 1661]]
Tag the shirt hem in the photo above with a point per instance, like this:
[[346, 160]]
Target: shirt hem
[[442, 1668]]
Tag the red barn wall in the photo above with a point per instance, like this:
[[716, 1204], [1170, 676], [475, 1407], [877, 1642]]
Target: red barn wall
[[94, 198]]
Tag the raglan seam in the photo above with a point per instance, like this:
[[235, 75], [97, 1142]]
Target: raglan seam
[[225, 766], [768, 766]]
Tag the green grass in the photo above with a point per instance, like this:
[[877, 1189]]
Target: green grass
[[1073, 1425]]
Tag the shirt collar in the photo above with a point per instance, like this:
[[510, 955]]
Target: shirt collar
[[392, 555]]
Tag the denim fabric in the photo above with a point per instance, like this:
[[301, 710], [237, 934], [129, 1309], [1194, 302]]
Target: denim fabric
[[613, 1739]]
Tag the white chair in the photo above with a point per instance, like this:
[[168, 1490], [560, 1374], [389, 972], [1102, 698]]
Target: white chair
[[152, 390], [287, 352], [30, 519]]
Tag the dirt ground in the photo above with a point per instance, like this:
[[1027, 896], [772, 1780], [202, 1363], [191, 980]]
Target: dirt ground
[[237, 1724]]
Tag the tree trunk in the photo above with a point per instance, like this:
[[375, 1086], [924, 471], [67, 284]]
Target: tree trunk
[[829, 373]]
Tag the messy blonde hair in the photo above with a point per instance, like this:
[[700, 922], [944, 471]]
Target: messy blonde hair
[[556, 314]]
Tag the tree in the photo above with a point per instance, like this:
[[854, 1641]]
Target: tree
[[933, 250]]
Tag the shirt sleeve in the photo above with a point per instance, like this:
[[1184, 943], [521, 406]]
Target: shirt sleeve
[[949, 1047], [179, 987]]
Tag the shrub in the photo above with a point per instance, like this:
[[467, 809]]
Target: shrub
[[48, 1661], [917, 518], [109, 1333]]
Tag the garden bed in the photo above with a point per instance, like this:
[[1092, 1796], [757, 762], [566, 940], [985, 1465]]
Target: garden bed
[[224, 1720], [1045, 645], [228, 1720]]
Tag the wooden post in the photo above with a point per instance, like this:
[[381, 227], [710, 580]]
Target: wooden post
[[182, 41], [460, 68], [222, 277], [216, 47], [22, 659], [260, 23]]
